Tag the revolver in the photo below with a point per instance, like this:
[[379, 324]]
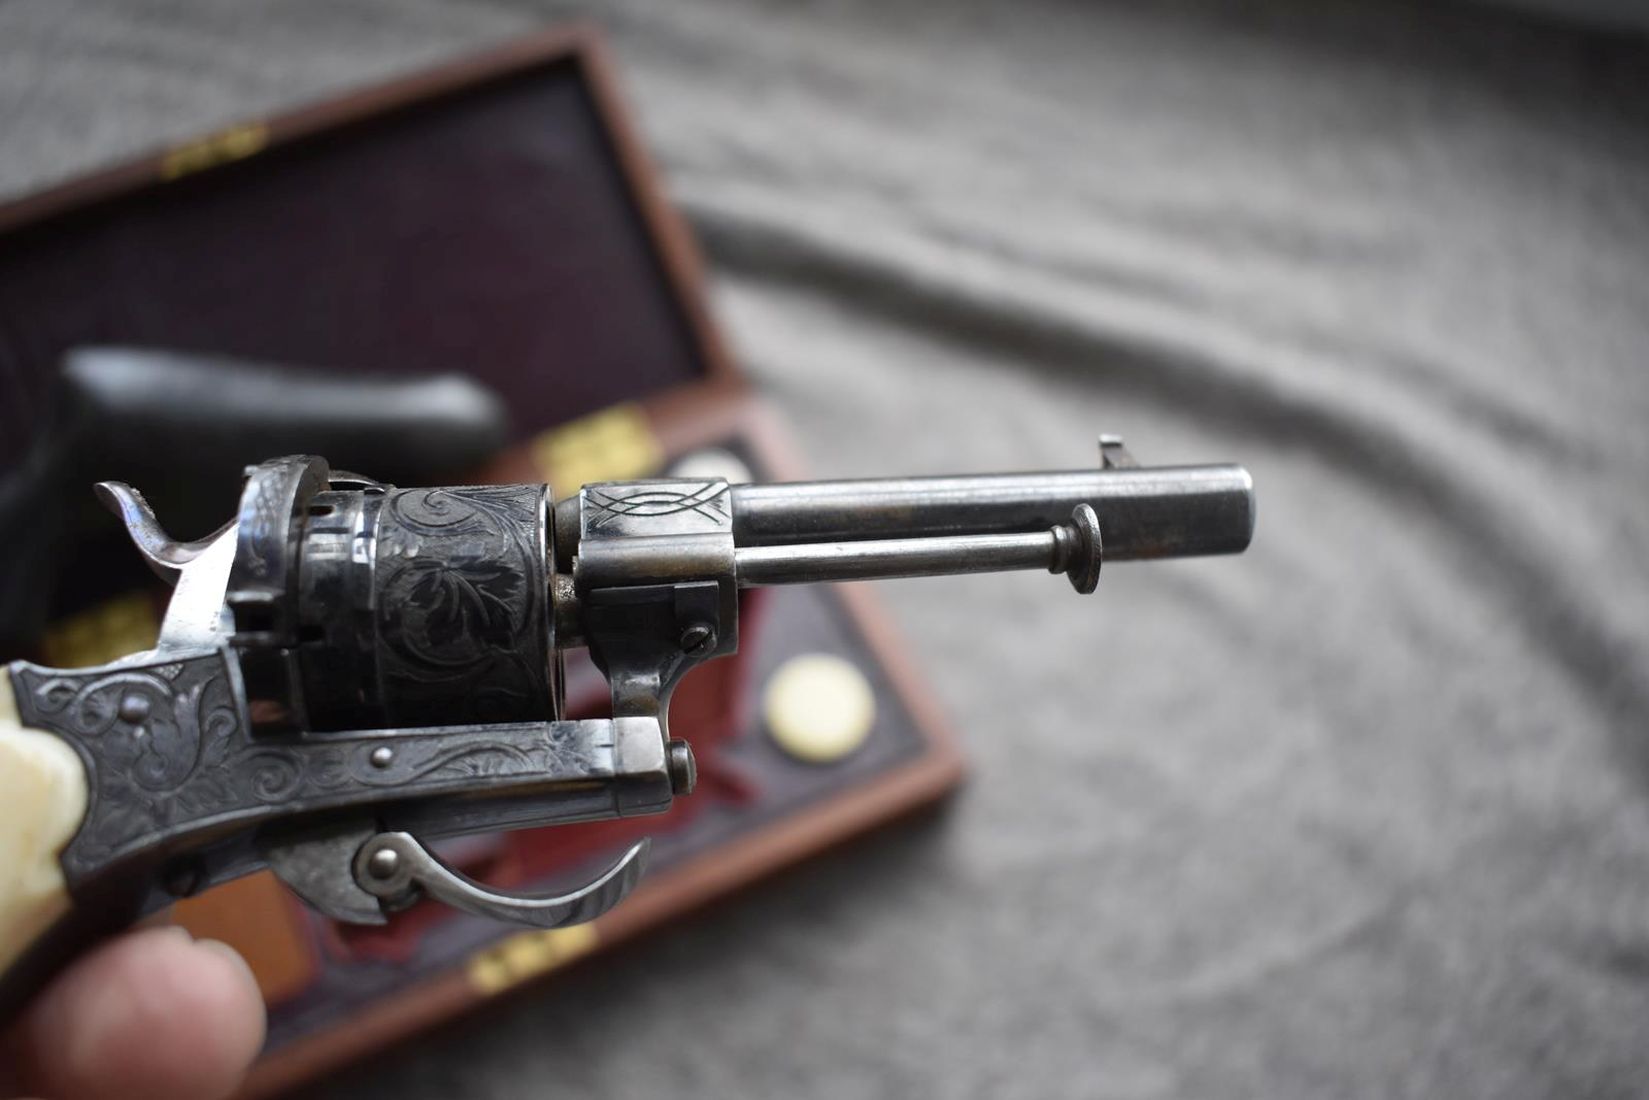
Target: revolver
[[347, 671]]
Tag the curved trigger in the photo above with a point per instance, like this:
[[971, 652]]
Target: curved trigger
[[394, 866], [165, 555]]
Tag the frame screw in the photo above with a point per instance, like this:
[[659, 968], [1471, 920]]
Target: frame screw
[[698, 639], [134, 708], [383, 863], [184, 878], [382, 756]]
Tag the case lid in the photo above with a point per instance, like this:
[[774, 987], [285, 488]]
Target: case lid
[[495, 217]]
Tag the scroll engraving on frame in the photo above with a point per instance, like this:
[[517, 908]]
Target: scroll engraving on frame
[[167, 748], [155, 740]]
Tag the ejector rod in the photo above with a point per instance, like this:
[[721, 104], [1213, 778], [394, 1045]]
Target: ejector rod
[[1072, 548], [878, 559]]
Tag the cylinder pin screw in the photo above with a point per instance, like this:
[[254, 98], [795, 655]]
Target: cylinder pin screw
[[698, 639]]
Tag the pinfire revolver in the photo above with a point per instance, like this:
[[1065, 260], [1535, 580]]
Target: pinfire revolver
[[348, 670]]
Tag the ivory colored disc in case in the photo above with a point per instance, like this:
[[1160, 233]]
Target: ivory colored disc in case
[[818, 708]]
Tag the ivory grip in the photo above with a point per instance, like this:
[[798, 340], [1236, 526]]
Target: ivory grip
[[43, 792]]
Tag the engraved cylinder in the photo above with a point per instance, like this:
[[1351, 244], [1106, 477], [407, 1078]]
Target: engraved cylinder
[[426, 607]]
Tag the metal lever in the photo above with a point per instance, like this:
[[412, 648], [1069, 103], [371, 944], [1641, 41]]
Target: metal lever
[[165, 555], [394, 867], [1073, 548]]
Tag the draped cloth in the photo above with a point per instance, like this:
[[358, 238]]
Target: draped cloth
[[1361, 813]]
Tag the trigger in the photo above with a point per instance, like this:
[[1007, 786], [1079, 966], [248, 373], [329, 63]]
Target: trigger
[[394, 866]]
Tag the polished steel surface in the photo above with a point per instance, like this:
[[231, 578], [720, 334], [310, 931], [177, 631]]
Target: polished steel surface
[[1072, 548], [1145, 512], [397, 868], [809, 563]]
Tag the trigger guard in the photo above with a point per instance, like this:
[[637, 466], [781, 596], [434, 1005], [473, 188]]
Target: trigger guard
[[394, 866]]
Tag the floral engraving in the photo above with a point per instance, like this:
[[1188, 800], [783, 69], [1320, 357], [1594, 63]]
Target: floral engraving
[[461, 617]]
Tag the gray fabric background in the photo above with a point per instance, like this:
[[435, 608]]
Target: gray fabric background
[[1361, 814]]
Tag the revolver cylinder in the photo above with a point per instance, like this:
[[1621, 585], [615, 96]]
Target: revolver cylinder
[[403, 608], [427, 606]]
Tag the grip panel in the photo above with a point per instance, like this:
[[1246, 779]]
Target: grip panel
[[43, 795]]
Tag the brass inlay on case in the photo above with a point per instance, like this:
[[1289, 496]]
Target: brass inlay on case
[[525, 955], [614, 444], [234, 143], [98, 635]]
